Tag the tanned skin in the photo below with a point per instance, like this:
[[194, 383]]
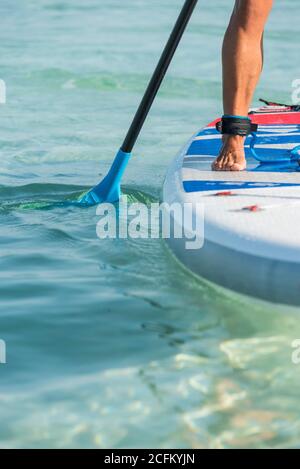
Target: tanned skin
[[242, 66]]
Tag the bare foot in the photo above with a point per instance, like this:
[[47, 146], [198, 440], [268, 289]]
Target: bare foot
[[232, 155]]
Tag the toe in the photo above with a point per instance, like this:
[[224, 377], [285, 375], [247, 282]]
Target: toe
[[217, 164], [228, 162], [238, 167]]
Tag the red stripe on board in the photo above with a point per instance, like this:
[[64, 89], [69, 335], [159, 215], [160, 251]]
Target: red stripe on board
[[287, 118]]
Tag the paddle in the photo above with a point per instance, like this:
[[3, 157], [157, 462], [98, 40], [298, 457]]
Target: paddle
[[109, 189]]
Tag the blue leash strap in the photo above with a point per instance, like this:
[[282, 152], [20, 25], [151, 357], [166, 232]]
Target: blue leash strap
[[290, 156]]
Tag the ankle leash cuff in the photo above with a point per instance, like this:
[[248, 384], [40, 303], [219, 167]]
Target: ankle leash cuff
[[236, 125]]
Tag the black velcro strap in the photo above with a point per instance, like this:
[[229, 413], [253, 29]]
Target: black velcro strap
[[236, 126]]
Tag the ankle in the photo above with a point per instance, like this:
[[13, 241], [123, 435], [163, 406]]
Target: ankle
[[236, 140]]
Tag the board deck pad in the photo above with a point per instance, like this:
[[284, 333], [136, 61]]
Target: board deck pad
[[254, 214]]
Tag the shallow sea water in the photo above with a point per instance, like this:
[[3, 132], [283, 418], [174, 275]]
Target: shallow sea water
[[112, 343]]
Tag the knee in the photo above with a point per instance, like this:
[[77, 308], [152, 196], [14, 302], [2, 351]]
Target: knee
[[251, 15]]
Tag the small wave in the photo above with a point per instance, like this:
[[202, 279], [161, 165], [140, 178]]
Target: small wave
[[62, 7], [49, 196], [125, 82], [38, 196]]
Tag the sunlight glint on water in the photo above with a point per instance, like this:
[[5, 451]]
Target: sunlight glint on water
[[111, 343]]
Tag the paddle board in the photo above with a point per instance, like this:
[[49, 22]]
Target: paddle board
[[251, 218]]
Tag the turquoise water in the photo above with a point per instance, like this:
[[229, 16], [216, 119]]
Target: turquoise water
[[112, 343]]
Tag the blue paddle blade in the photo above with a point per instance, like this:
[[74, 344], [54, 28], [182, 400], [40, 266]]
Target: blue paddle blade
[[108, 190]]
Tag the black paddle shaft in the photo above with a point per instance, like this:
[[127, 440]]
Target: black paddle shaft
[[158, 75]]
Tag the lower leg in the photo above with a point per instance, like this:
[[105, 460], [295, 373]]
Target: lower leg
[[242, 66]]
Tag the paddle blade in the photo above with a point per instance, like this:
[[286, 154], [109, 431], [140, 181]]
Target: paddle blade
[[108, 190]]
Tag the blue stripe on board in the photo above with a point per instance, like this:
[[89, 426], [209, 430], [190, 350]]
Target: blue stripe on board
[[203, 186], [209, 131], [212, 147], [204, 147]]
